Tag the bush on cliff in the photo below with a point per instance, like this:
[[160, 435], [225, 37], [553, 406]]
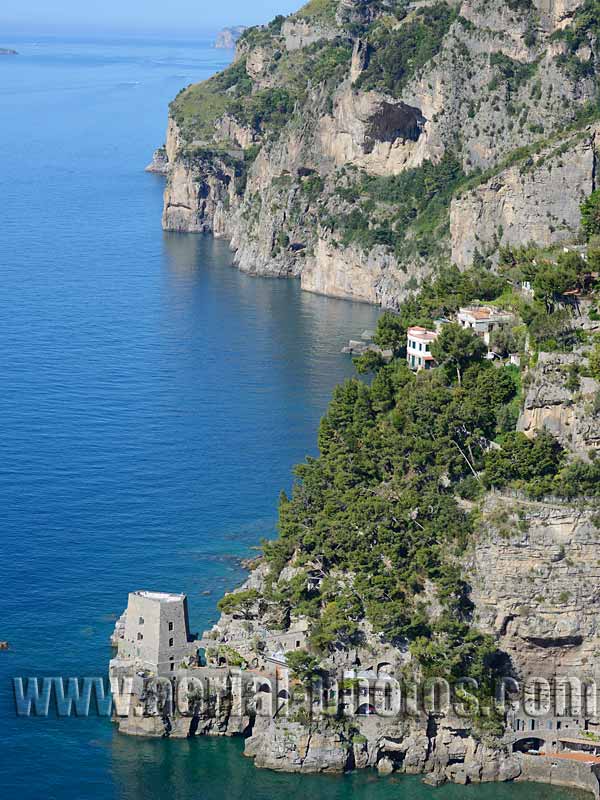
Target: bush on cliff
[[398, 53], [590, 214]]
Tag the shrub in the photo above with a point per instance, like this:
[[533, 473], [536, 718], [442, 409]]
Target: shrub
[[590, 214], [398, 53]]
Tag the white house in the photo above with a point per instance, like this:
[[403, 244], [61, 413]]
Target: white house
[[418, 347], [483, 320]]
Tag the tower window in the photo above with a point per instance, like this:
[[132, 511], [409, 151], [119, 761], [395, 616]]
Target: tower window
[[170, 642], [170, 626], [140, 637], [141, 621]]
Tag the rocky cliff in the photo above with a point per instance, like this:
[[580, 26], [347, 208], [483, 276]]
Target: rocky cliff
[[227, 38], [359, 144]]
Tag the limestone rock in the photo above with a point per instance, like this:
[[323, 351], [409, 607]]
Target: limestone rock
[[160, 162], [569, 415], [536, 202]]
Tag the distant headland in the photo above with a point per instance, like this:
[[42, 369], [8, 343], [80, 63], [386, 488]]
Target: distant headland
[[227, 38], [4, 51]]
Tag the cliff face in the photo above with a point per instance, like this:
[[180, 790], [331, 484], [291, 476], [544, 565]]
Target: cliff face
[[569, 413], [534, 201], [535, 578], [304, 149]]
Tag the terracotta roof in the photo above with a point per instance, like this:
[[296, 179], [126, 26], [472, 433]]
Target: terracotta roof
[[483, 312], [422, 333], [585, 757]]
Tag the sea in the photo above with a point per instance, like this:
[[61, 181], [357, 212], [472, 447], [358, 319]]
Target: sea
[[153, 401]]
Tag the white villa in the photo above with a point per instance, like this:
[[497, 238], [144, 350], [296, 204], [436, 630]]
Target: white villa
[[418, 347], [483, 320]]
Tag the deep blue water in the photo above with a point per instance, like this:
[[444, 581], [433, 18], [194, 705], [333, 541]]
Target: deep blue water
[[153, 401]]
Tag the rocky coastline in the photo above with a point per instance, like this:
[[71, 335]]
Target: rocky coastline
[[532, 577], [449, 527], [282, 184]]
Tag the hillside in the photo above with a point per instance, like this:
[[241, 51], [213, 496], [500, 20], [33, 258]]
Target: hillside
[[440, 159], [360, 145]]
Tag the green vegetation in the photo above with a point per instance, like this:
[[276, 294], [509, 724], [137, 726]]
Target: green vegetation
[[262, 35], [266, 109], [378, 505], [226, 653], [551, 272], [520, 5], [319, 11], [197, 108], [377, 514], [398, 53], [590, 214], [511, 73], [304, 666], [583, 31], [239, 602], [595, 362], [388, 208], [456, 348]]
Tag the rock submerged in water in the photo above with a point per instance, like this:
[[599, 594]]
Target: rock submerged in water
[[4, 646], [4, 51]]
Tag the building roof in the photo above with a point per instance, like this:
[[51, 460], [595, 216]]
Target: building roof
[[586, 758], [417, 332], [160, 597], [578, 740], [483, 313]]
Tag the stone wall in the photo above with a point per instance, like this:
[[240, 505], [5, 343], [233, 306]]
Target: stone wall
[[560, 772]]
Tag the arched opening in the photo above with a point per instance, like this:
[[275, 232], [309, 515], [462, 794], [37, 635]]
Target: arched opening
[[531, 744], [283, 694], [365, 710], [387, 697], [385, 668], [264, 687]]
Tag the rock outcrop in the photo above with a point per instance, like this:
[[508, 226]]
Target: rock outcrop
[[160, 162], [570, 413], [228, 37], [535, 580]]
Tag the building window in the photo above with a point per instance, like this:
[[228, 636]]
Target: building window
[[141, 621], [140, 637], [297, 643], [172, 665], [170, 626], [170, 642]]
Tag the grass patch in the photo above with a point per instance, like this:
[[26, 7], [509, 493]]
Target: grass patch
[[318, 11]]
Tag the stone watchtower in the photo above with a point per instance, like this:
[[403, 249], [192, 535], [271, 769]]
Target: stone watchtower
[[156, 633]]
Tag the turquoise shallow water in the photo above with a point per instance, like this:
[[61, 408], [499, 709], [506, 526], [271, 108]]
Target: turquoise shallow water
[[153, 401]]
